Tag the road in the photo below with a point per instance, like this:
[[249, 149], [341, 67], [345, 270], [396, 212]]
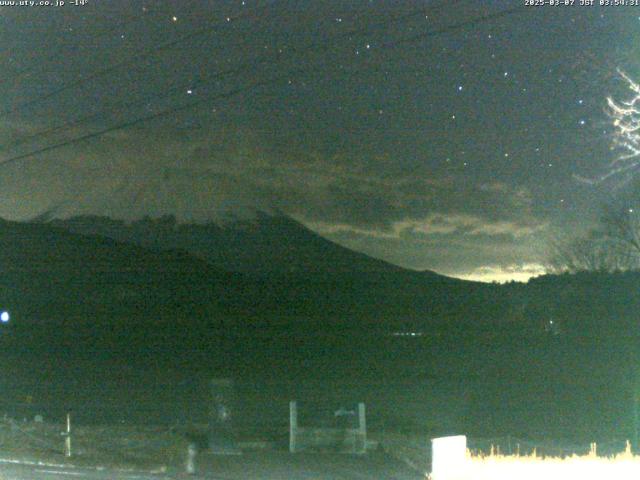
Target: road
[[250, 466]]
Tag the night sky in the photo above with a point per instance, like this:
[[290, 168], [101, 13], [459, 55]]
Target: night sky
[[446, 135]]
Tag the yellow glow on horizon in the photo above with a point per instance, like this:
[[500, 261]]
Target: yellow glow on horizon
[[501, 274]]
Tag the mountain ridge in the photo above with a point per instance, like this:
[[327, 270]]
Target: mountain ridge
[[267, 245]]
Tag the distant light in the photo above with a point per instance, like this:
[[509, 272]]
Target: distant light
[[407, 334], [174, 18], [4, 317]]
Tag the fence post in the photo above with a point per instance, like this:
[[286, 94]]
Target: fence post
[[67, 440], [293, 425], [191, 459], [362, 428]]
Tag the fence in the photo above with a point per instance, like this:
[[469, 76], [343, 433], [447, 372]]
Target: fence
[[347, 433]]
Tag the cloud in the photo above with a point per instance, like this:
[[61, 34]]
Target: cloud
[[363, 192], [369, 202], [459, 245], [437, 224], [468, 225]]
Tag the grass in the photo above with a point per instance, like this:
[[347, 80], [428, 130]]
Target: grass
[[115, 447], [623, 466]]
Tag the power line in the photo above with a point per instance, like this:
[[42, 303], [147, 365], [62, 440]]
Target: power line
[[87, 118], [457, 26], [245, 89], [236, 70], [125, 23], [273, 80], [149, 117], [135, 58]]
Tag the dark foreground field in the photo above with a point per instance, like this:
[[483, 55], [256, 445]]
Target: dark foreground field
[[479, 383], [280, 465], [255, 466], [35, 451]]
